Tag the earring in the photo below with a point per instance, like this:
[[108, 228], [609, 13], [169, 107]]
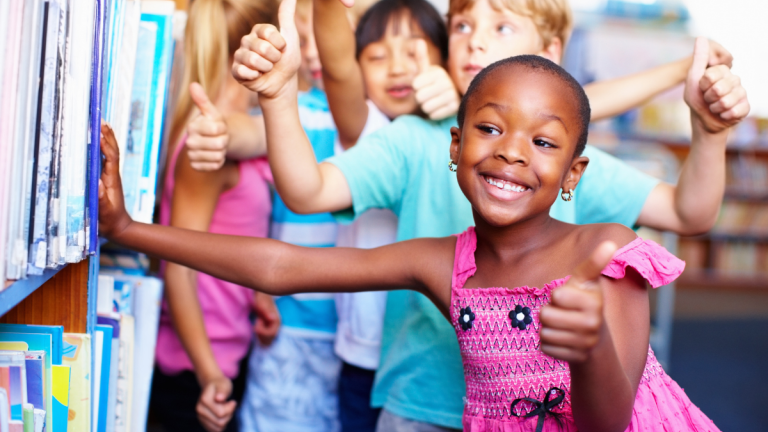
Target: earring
[[566, 196], [452, 166]]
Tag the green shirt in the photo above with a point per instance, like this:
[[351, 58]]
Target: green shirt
[[404, 167]]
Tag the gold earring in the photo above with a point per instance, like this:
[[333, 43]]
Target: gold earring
[[452, 166], [566, 196]]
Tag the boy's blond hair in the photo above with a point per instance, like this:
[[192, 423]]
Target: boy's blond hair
[[553, 18]]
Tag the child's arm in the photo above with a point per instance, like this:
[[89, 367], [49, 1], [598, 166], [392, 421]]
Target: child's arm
[[717, 101], [266, 63], [600, 326], [192, 207], [271, 266], [213, 136], [613, 97], [342, 77]]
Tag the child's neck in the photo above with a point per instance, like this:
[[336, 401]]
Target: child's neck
[[511, 241]]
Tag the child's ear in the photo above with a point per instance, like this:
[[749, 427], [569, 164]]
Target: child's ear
[[576, 170], [455, 144], [553, 51]]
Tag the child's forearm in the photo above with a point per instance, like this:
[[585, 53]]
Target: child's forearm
[[247, 138], [342, 77], [612, 97], [187, 317], [602, 397], [304, 185]]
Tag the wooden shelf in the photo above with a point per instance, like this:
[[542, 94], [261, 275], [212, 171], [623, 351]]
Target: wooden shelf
[[20, 289], [721, 280]]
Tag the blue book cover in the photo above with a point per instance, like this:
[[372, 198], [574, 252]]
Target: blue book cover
[[141, 92], [38, 342], [35, 362], [94, 150], [56, 332], [160, 81], [44, 140], [113, 370], [102, 363]]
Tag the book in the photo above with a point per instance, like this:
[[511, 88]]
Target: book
[[77, 355], [102, 362], [125, 374], [120, 108], [17, 380], [5, 410], [113, 370], [28, 417], [44, 139], [37, 342], [137, 134], [39, 420], [60, 376], [35, 364], [83, 16], [94, 150]]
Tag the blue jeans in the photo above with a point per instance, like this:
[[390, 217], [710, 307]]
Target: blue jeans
[[355, 412]]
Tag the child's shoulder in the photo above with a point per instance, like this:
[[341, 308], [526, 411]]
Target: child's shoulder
[[589, 236]]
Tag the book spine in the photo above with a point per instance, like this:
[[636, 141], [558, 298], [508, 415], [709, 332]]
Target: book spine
[[94, 162]]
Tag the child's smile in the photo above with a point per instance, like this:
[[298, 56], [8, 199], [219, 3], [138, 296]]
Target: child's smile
[[515, 149]]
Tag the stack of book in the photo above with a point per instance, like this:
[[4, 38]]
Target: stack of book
[[65, 66]]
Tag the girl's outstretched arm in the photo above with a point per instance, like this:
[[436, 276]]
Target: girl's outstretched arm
[[601, 327], [271, 266], [613, 97], [342, 77]]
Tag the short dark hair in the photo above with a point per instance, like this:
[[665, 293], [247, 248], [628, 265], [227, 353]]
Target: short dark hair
[[373, 23], [538, 63]]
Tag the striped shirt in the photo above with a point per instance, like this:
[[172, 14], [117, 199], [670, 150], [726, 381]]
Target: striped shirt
[[311, 314]]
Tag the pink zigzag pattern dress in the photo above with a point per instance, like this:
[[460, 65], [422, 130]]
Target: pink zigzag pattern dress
[[498, 333]]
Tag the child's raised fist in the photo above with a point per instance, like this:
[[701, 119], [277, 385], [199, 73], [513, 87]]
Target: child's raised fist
[[207, 133], [572, 323], [268, 59], [113, 218], [714, 94]]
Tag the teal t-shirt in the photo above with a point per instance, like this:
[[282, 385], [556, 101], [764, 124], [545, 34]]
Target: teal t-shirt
[[404, 167]]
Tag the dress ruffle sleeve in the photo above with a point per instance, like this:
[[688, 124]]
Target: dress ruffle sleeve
[[654, 263]]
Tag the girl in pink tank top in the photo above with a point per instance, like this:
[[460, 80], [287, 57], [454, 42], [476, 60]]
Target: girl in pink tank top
[[552, 319]]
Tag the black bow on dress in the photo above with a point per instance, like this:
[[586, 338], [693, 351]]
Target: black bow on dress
[[542, 408]]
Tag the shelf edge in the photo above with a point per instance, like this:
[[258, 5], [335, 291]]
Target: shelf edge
[[19, 290]]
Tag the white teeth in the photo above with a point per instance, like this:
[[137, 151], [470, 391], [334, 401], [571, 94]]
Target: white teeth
[[505, 186]]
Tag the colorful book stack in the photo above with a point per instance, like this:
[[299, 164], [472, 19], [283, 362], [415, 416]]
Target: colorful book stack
[[65, 66]]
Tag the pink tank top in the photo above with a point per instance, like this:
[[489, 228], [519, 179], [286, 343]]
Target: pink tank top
[[243, 210], [514, 387]]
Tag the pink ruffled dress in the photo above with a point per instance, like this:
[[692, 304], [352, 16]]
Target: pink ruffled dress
[[498, 333]]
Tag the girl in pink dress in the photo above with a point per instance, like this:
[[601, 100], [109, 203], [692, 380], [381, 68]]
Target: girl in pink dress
[[567, 349]]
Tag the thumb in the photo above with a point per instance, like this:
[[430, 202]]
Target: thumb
[[285, 18], [200, 98], [590, 269], [422, 56], [700, 61]]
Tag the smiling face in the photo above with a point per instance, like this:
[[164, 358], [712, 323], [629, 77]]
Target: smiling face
[[483, 34], [515, 148], [389, 67]]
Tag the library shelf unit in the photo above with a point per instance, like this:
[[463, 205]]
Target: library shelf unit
[[734, 254]]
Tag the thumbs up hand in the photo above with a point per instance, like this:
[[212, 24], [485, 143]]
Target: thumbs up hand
[[268, 59], [207, 133], [714, 94], [435, 92], [572, 323]]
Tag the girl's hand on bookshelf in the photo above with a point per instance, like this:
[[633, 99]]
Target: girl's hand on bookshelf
[[268, 59], [213, 409], [714, 94], [572, 323], [207, 133], [435, 91], [113, 218]]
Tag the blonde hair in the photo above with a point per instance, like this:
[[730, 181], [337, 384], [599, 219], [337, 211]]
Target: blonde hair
[[552, 18], [212, 35]]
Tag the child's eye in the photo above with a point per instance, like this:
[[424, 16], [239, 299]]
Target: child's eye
[[506, 29], [545, 144], [490, 130], [462, 27]]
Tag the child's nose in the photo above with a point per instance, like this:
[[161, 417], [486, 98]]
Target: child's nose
[[478, 41], [514, 150]]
